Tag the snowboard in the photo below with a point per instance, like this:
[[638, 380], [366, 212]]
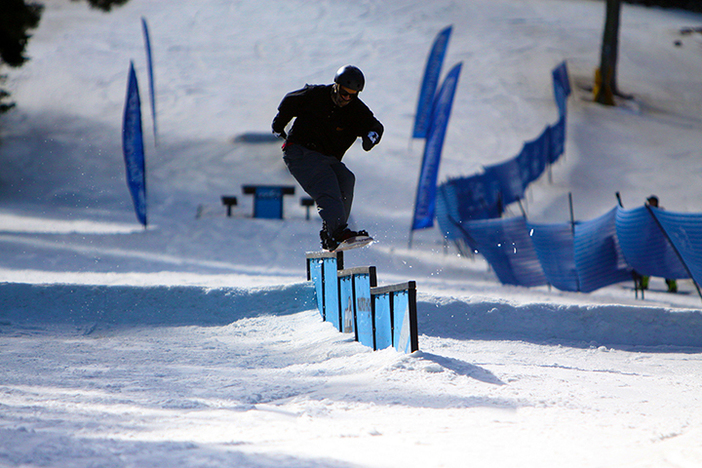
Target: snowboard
[[354, 243]]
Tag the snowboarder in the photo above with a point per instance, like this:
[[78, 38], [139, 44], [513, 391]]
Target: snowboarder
[[328, 120], [670, 282]]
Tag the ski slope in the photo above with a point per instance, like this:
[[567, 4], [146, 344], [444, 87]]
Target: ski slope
[[196, 342]]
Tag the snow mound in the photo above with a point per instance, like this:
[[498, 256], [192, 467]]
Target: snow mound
[[481, 318], [81, 305], [88, 306]]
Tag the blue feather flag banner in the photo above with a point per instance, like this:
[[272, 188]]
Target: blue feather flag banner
[[430, 83], [150, 67], [425, 204], [133, 147]]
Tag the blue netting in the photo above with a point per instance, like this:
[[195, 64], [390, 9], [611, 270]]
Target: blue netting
[[534, 157], [560, 78], [462, 199], [484, 196], [506, 245], [598, 257], [447, 211], [558, 138], [554, 245], [504, 183], [476, 198], [685, 231], [645, 245]]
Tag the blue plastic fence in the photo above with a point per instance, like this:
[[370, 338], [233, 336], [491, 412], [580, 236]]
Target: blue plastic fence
[[532, 255], [598, 257], [589, 255], [484, 195], [685, 232], [554, 246], [506, 245], [645, 245]]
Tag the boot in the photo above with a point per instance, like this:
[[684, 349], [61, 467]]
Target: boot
[[343, 233], [644, 282], [672, 285], [331, 241], [328, 242]]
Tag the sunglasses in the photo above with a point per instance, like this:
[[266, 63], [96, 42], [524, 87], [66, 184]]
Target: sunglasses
[[346, 94]]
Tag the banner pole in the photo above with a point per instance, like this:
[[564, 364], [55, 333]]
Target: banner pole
[[150, 69]]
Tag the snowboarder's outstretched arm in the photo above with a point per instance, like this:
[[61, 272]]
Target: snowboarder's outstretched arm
[[288, 109]]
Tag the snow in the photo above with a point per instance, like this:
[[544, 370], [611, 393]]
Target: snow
[[196, 342]]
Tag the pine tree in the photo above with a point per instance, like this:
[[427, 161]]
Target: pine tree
[[105, 5], [17, 18]]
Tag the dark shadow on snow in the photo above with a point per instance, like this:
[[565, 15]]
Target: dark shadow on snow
[[65, 448], [461, 368]]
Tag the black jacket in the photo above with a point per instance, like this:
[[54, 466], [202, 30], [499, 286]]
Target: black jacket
[[320, 124]]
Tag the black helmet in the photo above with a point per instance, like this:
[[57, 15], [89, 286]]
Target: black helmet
[[350, 77]]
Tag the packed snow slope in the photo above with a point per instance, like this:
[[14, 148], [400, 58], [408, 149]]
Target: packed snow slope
[[195, 342]]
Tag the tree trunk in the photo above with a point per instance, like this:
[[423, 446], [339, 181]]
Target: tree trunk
[[606, 77]]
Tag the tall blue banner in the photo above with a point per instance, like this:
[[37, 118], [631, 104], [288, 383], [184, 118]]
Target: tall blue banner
[[425, 204], [430, 83], [150, 67], [133, 147]]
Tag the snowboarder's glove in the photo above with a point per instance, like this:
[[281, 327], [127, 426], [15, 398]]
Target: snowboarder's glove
[[370, 140], [280, 135]]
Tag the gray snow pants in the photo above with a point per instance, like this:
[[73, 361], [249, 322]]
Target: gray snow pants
[[326, 179]]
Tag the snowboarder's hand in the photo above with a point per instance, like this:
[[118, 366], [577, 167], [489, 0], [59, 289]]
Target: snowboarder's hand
[[370, 140]]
